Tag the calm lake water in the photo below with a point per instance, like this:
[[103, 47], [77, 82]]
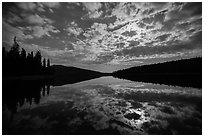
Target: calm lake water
[[104, 105]]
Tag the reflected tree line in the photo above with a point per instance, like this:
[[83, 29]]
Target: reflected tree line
[[16, 62], [17, 93]]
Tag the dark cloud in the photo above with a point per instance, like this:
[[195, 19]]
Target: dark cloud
[[163, 37], [196, 39], [195, 8], [197, 22], [148, 11], [105, 58], [129, 33], [133, 43], [187, 10], [189, 32], [183, 26], [158, 17], [141, 24], [149, 27], [117, 27], [7, 7]]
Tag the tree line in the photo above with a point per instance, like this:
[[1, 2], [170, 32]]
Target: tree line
[[16, 62], [186, 73], [184, 66]]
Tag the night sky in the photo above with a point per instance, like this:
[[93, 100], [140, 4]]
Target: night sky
[[105, 36]]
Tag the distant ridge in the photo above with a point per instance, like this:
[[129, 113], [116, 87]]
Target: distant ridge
[[69, 75], [186, 72]]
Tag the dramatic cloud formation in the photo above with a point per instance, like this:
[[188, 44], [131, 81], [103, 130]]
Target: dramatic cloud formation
[[105, 36]]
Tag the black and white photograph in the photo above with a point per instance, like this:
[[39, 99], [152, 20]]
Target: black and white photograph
[[101, 68]]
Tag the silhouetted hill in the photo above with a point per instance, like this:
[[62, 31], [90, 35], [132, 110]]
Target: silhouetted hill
[[187, 72], [69, 75]]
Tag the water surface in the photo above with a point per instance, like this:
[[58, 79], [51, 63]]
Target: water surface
[[104, 105]]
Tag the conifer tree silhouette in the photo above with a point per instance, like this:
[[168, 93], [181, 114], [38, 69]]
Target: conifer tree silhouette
[[48, 63], [16, 62], [44, 63]]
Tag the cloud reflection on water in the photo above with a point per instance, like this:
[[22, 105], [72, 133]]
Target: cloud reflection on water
[[114, 106]]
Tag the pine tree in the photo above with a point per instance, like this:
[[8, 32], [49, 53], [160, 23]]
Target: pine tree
[[14, 52], [44, 63], [48, 63], [38, 58], [3, 52], [23, 54]]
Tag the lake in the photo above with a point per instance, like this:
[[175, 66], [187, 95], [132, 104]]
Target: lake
[[104, 105]]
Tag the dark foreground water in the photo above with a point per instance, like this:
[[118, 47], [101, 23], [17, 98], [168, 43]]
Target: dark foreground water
[[104, 105]]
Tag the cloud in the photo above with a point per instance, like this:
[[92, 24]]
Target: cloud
[[100, 27], [116, 26], [92, 6], [72, 28], [27, 5], [39, 31], [124, 60], [97, 37], [136, 10], [193, 8], [93, 9], [9, 32], [124, 11], [51, 4], [181, 13], [133, 43], [36, 19], [96, 14], [163, 37], [39, 6], [73, 5], [34, 26], [175, 13], [129, 33], [13, 18]]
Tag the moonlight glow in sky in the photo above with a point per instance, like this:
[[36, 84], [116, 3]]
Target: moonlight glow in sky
[[105, 36]]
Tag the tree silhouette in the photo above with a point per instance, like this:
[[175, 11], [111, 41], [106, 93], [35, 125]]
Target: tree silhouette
[[23, 54], [16, 62], [3, 52], [14, 52], [44, 63], [4, 61], [48, 63], [38, 58]]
